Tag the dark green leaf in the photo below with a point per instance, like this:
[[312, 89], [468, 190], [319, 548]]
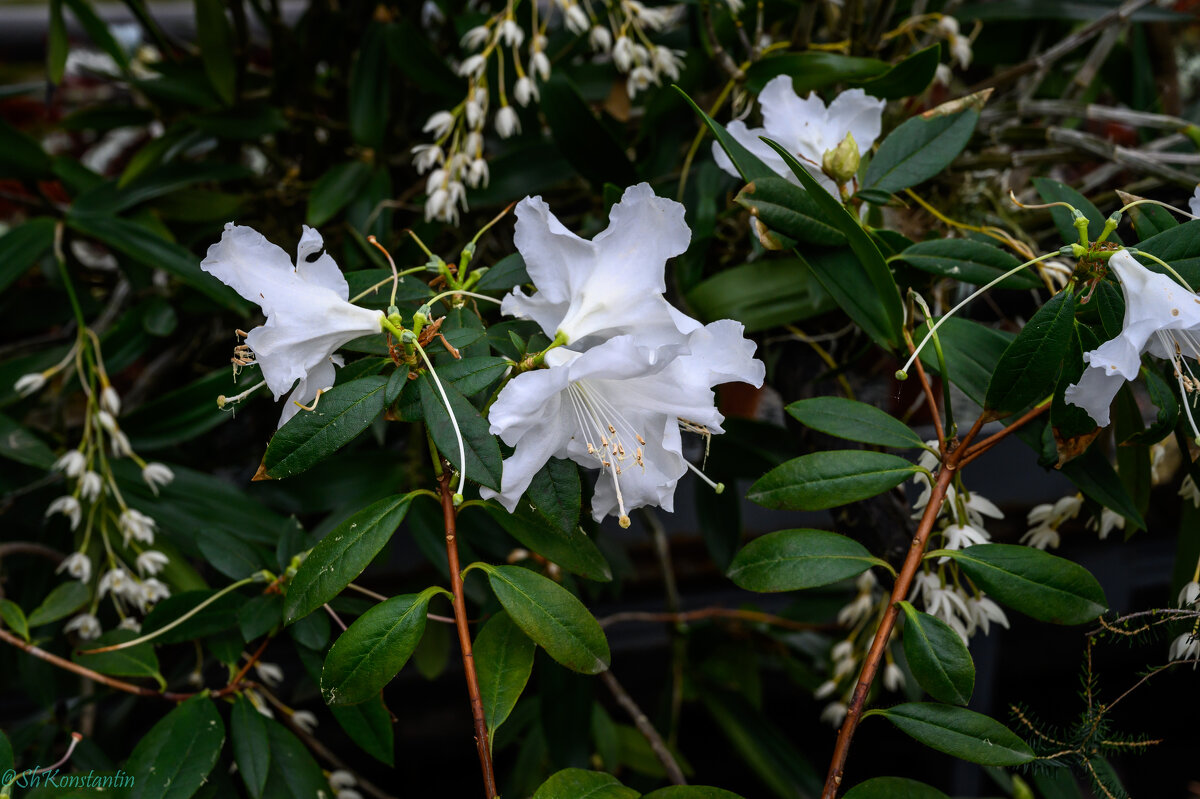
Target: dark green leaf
[[971, 351], [959, 732], [484, 464], [919, 149], [908, 78], [1178, 246], [555, 493], [748, 165], [1095, 477], [335, 189], [552, 617], [505, 274], [229, 555], [1167, 414], [180, 415], [969, 261], [370, 87], [690, 792], [568, 547], [20, 445], [57, 44], [221, 615], [893, 788], [369, 725], [64, 600], [310, 437], [14, 618], [789, 560], [762, 294], [312, 631], [576, 783], [854, 421], [251, 745], [260, 615], [409, 49], [22, 246], [504, 658], [98, 31], [173, 760], [1029, 367], [109, 198], [1150, 220], [21, 156], [828, 479], [788, 209], [938, 657], [342, 555], [813, 70], [216, 48], [294, 774], [1052, 191], [376, 646], [1038, 584], [583, 139]]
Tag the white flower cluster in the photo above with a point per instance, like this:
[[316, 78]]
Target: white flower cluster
[[454, 160], [1187, 645], [628, 371], [95, 503]]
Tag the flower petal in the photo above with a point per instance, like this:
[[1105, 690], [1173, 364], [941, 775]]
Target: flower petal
[[855, 112], [1095, 392], [322, 271]]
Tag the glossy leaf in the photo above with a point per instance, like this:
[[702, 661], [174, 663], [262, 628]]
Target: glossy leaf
[[576, 783], [484, 463], [1095, 477], [893, 788], [748, 165], [1051, 191], [878, 310], [762, 294], [21, 156], [175, 757], [828, 479], [788, 209], [1038, 584], [369, 724], [1029, 367], [374, 648], [570, 548], [342, 555], [854, 421], [908, 78], [554, 493], [814, 70], [334, 190], [957, 731], [98, 31], [789, 560], [311, 436], [64, 600], [215, 38], [293, 772], [969, 261], [971, 351], [20, 445], [22, 246], [217, 617], [938, 657], [504, 660], [919, 149], [14, 618], [251, 745], [552, 616], [1178, 246]]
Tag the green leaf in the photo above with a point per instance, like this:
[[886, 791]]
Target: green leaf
[[57, 44], [908, 78], [957, 731], [294, 773], [22, 246], [789, 560], [1094, 476], [370, 88], [410, 51], [251, 745], [938, 657], [374, 648], [310, 437], [98, 31], [969, 261], [971, 351], [229, 555], [150, 249], [110, 198], [576, 783], [788, 209], [569, 547], [893, 788], [1180, 247], [554, 493], [64, 600], [1029, 367], [1052, 191], [14, 618], [342, 555], [20, 445], [828, 479], [690, 792], [484, 463], [216, 48], [762, 294], [1036, 583], [174, 759], [504, 659], [21, 156], [1150, 220], [183, 414], [919, 149], [879, 312], [748, 165], [6, 754], [551, 616], [586, 143], [854, 421], [813, 70], [1167, 406], [369, 725], [221, 615], [334, 190], [509, 272]]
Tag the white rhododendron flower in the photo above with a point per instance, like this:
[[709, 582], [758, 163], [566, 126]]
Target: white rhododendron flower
[[1161, 318], [608, 286], [636, 371], [1194, 203], [806, 128], [308, 315]]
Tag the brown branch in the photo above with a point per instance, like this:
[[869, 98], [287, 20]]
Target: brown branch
[[94, 676], [929, 396], [30, 548], [978, 449], [449, 515], [713, 613], [657, 745], [236, 683]]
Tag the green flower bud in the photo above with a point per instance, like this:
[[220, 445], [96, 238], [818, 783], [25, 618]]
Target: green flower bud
[[841, 163]]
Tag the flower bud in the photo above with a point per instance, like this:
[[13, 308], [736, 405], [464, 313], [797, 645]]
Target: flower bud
[[525, 90], [841, 163], [507, 122], [600, 39], [110, 400], [27, 384]]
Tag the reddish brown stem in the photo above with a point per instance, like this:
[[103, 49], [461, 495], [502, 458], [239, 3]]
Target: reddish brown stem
[[931, 399], [975, 451], [461, 622]]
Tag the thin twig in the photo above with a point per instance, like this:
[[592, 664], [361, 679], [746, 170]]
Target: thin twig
[[30, 548], [657, 745], [975, 451]]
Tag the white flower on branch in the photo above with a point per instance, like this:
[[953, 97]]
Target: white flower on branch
[[805, 127], [85, 625], [157, 475], [151, 562], [1162, 318], [1194, 202], [1186, 647], [1108, 521], [68, 506], [507, 122], [600, 39], [308, 315], [90, 486], [28, 384], [71, 463], [136, 526], [982, 612], [78, 565], [476, 37], [1189, 595]]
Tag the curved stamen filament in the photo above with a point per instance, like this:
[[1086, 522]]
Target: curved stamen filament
[[462, 450], [717, 487]]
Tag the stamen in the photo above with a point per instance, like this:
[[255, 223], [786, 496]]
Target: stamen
[[717, 487]]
